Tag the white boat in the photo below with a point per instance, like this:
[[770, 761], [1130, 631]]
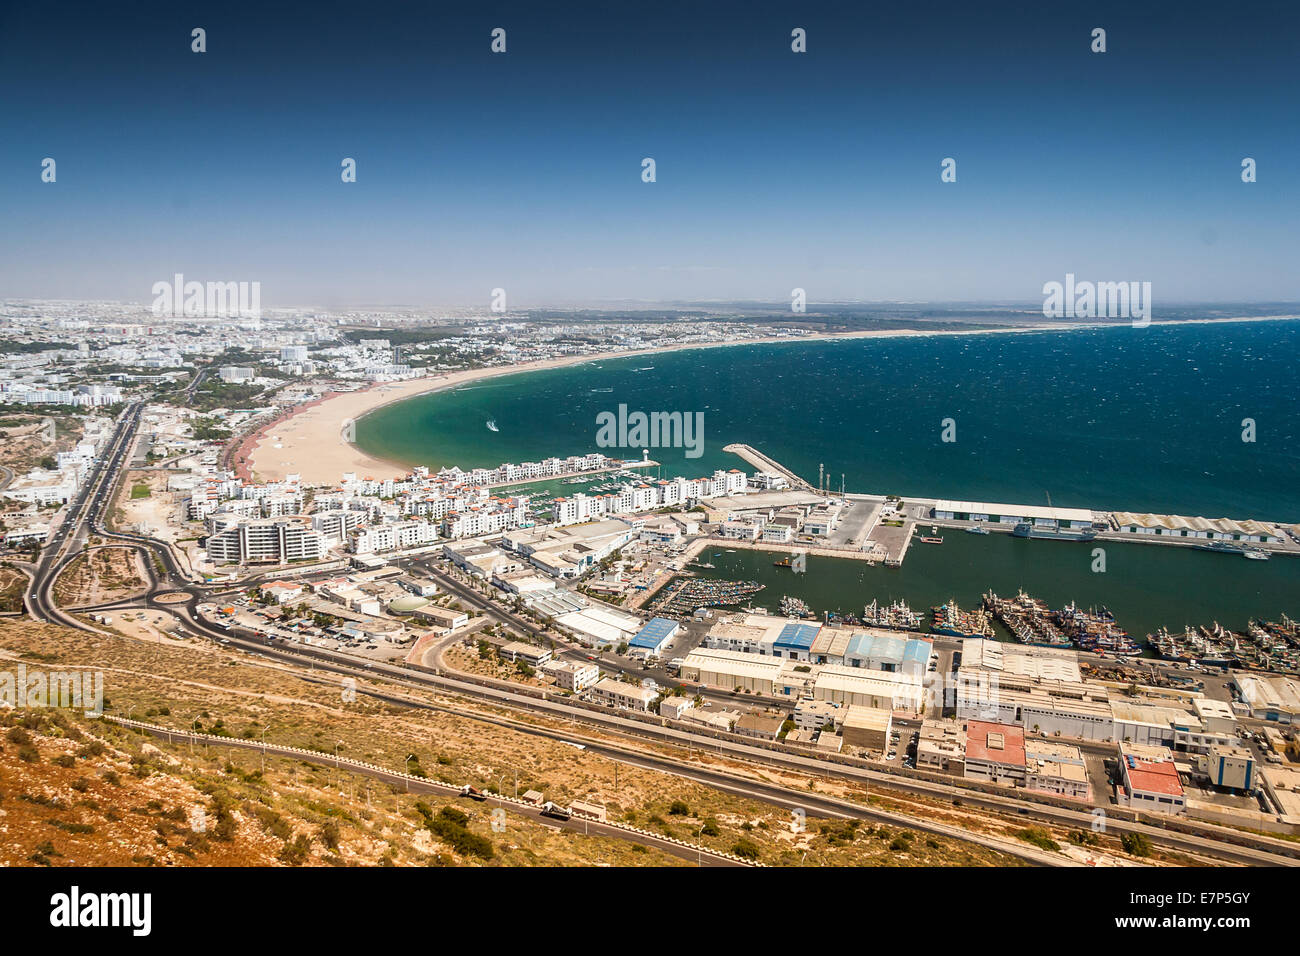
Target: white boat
[[492, 426], [1255, 555]]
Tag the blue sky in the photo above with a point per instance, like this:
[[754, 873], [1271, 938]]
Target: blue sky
[[774, 169]]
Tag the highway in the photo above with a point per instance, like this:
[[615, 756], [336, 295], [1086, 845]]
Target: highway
[[84, 516]]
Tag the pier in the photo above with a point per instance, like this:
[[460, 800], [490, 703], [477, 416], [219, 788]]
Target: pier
[[890, 542], [763, 463]]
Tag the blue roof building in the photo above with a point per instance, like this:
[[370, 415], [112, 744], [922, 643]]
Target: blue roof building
[[657, 632], [795, 640]]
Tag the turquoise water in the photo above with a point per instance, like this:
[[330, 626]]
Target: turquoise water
[[1122, 418]]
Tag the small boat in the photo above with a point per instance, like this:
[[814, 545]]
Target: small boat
[[930, 539], [783, 563], [1255, 555], [492, 426], [977, 529]]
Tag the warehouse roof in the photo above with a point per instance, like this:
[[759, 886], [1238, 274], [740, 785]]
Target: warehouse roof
[[798, 635], [656, 631], [1014, 511]]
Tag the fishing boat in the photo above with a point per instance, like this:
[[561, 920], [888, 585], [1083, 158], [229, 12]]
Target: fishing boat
[[783, 563], [793, 607], [951, 621], [977, 529], [1254, 554], [897, 616], [1029, 619], [1095, 630]]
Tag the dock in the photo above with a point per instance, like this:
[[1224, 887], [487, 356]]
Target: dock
[[889, 541], [763, 463]]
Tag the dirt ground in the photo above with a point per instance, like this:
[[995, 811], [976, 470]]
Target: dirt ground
[[240, 696], [103, 574]]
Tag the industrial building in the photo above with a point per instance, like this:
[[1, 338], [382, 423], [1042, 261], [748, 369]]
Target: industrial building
[[1228, 767], [795, 640], [941, 746], [732, 670], [652, 638], [877, 689], [995, 752], [889, 651], [1149, 780], [1213, 529], [1011, 514], [1056, 768], [866, 727], [1269, 697]]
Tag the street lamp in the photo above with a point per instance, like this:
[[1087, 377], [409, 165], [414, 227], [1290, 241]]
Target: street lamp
[[699, 846], [264, 730]]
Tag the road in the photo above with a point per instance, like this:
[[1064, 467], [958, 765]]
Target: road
[[700, 855]]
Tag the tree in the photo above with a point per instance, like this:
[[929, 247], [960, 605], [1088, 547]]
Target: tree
[[1135, 844]]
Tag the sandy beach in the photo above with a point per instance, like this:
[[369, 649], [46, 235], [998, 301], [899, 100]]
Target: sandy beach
[[310, 442]]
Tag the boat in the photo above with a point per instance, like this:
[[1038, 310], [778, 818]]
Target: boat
[[1029, 619], [1254, 554], [977, 529], [793, 607], [951, 621], [1095, 630], [931, 539], [1052, 532], [1222, 547], [492, 426], [783, 563], [897, 617]]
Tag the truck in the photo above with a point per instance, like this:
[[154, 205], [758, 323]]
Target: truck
[[555, 812], [473, 793]]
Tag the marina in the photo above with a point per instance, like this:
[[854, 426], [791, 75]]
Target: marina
[[682, 597]]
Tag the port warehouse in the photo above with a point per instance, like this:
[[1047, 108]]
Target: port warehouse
[[1012, 514], [1215, 529], [1024, 705], [1041, 689]]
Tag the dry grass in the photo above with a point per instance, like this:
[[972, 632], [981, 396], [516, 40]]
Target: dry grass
[[106, 574], [237, 695]]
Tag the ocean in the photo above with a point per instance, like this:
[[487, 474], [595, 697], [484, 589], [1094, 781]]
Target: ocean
[[1144, 420], [1119, 418]]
